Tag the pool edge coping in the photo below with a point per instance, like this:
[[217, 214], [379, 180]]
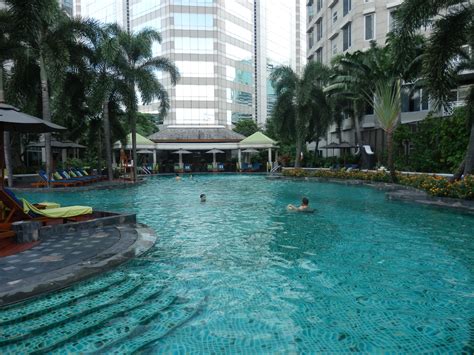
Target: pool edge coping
[[74, 273], [395, 192]]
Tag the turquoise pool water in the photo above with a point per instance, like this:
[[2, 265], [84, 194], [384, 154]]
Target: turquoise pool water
[[240, 274]]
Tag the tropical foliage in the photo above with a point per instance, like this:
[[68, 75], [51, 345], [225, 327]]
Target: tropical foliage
[[246, 127], [301, 111], [82, 74], [436, 144], [447, 51], [433, 185]]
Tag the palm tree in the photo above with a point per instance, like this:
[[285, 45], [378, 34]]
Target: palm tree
[[385, 100], [137, 66], [105, 50], [8, 47], [446, 52], [300, 102], [51, 37]]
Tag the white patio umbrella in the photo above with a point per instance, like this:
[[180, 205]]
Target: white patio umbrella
[[181, 152], [214, 152], [250, 151]]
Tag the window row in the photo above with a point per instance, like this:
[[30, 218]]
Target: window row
[[193, 21], [195, 92], [194, 45], [195, 116]]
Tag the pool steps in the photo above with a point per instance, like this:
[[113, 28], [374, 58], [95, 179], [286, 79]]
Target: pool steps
[[21, 312], [121, 313]]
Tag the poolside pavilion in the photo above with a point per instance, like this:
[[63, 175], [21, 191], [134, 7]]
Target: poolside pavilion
[[144, 147], [199, 147], [62, 151]]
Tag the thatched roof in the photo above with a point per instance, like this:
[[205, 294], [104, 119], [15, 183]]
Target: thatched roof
[[196, 135], [257, 138], [57, 144]]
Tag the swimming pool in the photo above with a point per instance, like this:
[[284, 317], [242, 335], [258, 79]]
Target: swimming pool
[[240, 274]]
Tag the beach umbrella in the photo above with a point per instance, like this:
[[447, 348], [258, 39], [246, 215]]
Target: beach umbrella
[[249, 151], [11, 119], [181, 152], [214, 152]]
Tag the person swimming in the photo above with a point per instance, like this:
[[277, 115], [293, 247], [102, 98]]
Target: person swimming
[[303, 208], [177, 177], [202, 197]]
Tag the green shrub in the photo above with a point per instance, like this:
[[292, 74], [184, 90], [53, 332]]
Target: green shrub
[[433, 185]]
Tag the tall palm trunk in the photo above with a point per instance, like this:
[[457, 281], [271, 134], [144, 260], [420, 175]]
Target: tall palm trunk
[[133, 126], [357, 124], [469, 160], [299, 144], [108, 148], [46, 115], [391, 166], [6, 137]]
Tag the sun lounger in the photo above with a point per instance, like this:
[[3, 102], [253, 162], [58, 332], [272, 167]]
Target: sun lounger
[[60, 212], [54, 182]]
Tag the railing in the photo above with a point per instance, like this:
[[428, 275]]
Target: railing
[[275, 169]]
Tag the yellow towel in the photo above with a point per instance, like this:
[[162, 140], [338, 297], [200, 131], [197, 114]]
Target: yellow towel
[[61, 212]]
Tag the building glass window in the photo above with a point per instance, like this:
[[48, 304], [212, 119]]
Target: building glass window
[[195, 116], [391, 20], [319, 29], [369, 22], [194, 45], [414, 100], [346, 7], [195, 92], [195, 69], [346, 37], [319, 5], [319, 55], [310, 40], [334, 15], [310, 10], [193, 21], [193, 2], [334, 46]]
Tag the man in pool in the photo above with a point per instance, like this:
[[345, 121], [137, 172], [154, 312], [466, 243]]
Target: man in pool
[[203, 197], [177, 177], [304, 206]]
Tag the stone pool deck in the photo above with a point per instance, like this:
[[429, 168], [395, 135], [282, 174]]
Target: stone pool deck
[[101, 185], [397, 193], [61, 259]]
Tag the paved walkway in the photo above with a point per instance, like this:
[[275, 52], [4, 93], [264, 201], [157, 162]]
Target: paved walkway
[[61, 260]]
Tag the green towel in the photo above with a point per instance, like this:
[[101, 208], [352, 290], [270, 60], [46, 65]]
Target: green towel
[[61, 212]]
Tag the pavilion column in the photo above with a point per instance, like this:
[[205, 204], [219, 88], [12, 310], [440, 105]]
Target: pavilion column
[[63, 155], [114, 161], [270, 159], [43, 155], [239, 156], [276, 157], [154, 157], [180, 161]]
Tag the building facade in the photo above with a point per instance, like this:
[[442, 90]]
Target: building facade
[[336, 27], [224, 49]]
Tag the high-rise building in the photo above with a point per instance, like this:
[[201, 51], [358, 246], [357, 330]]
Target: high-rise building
[[224, 49], [343, 26]]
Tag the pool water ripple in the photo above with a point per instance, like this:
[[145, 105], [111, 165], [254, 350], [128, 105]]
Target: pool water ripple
[[240, 274]]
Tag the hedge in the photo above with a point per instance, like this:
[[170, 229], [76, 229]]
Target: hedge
[[433, 185]]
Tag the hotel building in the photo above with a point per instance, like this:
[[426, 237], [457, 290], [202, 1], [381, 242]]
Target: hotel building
[[335, 27]]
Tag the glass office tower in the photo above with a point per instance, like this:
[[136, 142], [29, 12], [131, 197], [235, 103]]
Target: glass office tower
[[211, 43], [224, 49]]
